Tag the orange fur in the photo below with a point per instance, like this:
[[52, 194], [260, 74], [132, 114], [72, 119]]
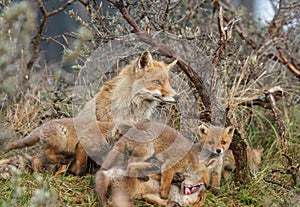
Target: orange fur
[[216, 141], [134, 93], [63, 139], [151, 139], [123, 187]]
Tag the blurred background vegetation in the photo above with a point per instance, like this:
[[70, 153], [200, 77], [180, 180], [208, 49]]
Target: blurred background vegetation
[[247, 55]]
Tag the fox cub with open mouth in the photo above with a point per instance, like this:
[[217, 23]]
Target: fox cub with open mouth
[[123, 188]]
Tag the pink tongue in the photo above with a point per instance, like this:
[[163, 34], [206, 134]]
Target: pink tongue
[[187, 191]]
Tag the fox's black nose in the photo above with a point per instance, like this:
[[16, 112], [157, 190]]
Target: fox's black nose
[[176, 97], [219, 150]]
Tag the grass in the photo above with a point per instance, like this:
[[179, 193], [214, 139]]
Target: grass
[[46, 190], [272, 186], [50, 96]]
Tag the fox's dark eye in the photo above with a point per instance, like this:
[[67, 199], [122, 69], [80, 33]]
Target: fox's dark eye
[[223, 142], [211, 142], [157, 82]]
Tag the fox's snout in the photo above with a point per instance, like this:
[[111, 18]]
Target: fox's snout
[[219, 151], [176, 98], [171, 99]]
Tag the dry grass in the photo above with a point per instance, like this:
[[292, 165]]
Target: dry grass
[[272, 186], [243, 74]]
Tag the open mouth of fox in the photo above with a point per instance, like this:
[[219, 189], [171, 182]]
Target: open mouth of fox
[[191, 189]]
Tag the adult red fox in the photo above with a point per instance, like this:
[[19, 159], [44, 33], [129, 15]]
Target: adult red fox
[[134, 93]]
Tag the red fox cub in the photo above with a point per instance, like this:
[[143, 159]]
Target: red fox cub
[[142, 141], [253, 161], [62, 139], [124, 188], [216, 141], [134, 93]]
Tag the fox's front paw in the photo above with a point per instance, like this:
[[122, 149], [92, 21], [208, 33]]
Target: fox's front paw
[[164, 193]]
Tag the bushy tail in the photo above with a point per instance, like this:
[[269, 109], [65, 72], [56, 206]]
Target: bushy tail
[[29, 140]]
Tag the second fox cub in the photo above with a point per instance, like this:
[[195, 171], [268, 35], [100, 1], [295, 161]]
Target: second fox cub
[[175, 153], [216, 141], [124, 188], [134, 93], [62, 141]]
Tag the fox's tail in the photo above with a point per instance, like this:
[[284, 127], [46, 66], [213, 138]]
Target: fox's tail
[[29, 140]]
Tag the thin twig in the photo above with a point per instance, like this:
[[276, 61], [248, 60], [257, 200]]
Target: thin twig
[[38, 37]]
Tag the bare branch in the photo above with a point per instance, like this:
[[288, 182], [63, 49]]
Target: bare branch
[[270, 94], [282, 58], [38, 37], [63, 7], [239, 30], [223, 37]]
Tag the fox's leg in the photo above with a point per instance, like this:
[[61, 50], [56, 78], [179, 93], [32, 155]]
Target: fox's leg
[[216, 175], [201, 199], [154, 198], [226, 174], [51, 155], [37, 163], [119, 148], [61, 170], [216, 179], [80, 163], [134, 168], [102, 183], [166, 180]]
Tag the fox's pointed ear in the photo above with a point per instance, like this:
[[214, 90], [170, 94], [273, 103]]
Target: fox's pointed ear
[[144, 60], [211, 163], [230, 131], [203, 131], [172, 64]]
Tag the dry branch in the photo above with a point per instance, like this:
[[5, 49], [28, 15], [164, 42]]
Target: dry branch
[[38, 37], [223, 38], [238, 147], [270, 95], [282, 58], [238, 29]]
